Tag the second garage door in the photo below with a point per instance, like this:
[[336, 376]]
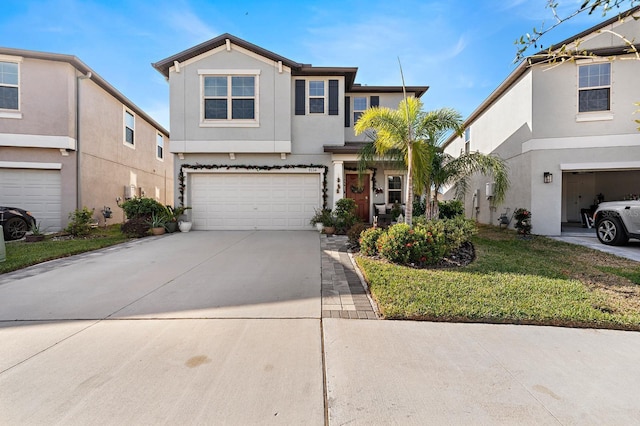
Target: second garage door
[[38, 191], [242, 201]]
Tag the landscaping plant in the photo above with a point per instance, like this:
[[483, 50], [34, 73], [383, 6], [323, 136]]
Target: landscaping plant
[[523, 221], [369, 241], [354, 233], [142, 207], [345, 214], [450, 209], [80, 222]]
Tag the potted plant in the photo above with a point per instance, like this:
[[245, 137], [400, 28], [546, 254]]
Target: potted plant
[[36, 233], [173, 215], [324, 220], [157, 223]]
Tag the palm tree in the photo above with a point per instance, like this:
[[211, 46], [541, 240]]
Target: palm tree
[[406, 135], [447, 170]]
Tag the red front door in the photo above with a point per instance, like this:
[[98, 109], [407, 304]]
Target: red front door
[[358, 188]]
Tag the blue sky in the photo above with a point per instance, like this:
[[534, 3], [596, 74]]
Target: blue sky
[[462, 49]]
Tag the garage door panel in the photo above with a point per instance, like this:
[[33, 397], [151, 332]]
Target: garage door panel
[[254, 200], [38, 191]]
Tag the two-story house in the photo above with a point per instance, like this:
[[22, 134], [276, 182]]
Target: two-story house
[[68, 140], [263, 141], [566, 129]]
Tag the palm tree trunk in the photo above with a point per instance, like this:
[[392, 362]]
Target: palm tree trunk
[[409, 202]]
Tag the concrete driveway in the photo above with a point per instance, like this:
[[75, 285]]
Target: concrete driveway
[[225, 328], [197, 328]]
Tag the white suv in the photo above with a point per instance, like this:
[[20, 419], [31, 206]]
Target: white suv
[[617, 221]]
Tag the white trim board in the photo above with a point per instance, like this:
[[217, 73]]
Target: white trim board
[[578, 142], [29, 165], [622, 165], [37, 141]]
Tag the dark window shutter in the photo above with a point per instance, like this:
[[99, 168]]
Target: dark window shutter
[[300, 97], [347, 111], [374, 101], [333, 97]]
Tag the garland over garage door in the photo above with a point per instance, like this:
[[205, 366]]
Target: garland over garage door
[[35, 190], [264, 201]]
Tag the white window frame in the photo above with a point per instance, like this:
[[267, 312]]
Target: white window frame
[[389, 174], [231, 122], [467, 140], [160, 146], [11, 112], [325, 85], [358, 112], [132, 144], [588, 88]]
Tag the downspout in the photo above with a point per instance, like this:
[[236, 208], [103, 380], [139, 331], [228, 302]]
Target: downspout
[[78, 174]]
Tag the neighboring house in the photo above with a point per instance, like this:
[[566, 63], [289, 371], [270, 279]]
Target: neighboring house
[[68, 139], [566, 129], [262, 141]]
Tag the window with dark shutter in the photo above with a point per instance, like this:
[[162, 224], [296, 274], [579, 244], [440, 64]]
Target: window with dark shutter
[[347, 109], [374, 101], [300, 97], [333, 97]]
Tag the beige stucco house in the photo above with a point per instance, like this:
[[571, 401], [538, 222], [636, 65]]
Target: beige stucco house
[[68, 139], [262, 141], [566, 129]]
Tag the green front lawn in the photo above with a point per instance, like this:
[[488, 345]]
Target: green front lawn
[[21, 254], [539, 281]]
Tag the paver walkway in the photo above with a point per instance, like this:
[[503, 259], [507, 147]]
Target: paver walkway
[[343, 295]]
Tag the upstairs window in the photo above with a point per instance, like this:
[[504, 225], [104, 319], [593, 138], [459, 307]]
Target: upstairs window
[[359, 106], [316, 97], [594, 87], [229, 97], [9, 85], [467, 140], [129, 128], [160, 146]]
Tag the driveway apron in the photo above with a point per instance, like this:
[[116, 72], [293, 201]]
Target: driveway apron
[[195, 328]]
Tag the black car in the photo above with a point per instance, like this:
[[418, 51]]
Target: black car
[[15, 222]]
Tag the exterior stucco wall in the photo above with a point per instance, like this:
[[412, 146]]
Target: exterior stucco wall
[[310, 132], [47, 99], [108, 164], [387, 100], [273, 106]]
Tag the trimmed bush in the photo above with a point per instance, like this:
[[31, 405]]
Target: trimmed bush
[[369, 241], [458, 231], [354, 233], [450, 209], [345, 214], [136, 228], [419, 246], [80, 224], [142, 207]]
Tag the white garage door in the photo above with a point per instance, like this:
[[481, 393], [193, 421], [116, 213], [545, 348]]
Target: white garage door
[[37, 191], [267, 201]]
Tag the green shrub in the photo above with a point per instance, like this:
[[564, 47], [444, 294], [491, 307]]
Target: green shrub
[[142, 207], [419, 207], [450, 209], [369, 241], [458, 231], [396, 209], [80, 222], [345, 214], [354, 233], [324, 217], [137, 227], [418, 246]]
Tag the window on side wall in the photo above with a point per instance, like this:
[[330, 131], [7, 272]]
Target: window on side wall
[[229, 98], [467, 140], [359, 106], [394, 189], [159, 146], [9, 86], [594, 87], [129, 128], [316, 96]]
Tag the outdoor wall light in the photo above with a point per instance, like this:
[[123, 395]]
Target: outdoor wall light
[[548, 177]]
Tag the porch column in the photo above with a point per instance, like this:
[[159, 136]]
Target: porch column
[[338, 181]]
